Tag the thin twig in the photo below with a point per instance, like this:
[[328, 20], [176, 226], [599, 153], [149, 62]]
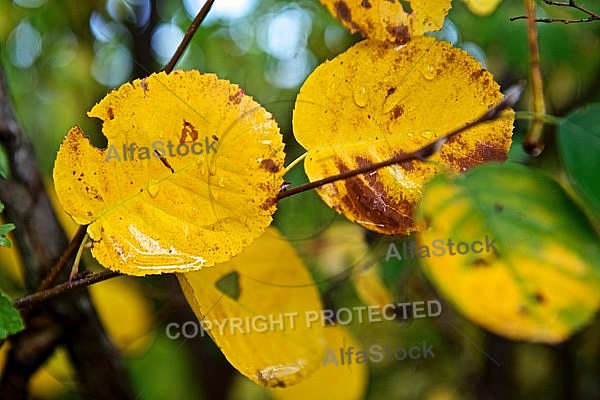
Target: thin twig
[[44, 295], [64, 258], [510, 98], [571, 4], [533, 141], [188, 35]]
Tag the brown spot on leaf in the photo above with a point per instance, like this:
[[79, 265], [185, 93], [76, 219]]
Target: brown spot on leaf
[[397, 111], [269, 165], [111, 114], [270, 202], [188, 130], [215, 137], [480, 262], [237, 97], [484, 152], [342, 11], [371, 203], [400, 33], [366, 4], [391, 91], [539, 297]]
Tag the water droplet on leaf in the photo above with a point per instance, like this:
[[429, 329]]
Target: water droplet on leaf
[[428, 71], [361, 97]]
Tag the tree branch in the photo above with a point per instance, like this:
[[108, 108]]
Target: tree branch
[[70, 320]]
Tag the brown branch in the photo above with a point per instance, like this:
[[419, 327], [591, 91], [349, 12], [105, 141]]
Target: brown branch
[[64, 259], [571, 4], [87, 279], [511, 97], [188, 35], [70, 320], [533, 141]]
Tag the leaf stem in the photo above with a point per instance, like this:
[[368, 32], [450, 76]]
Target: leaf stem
[[188, 35], [510, 98], [294, 163]]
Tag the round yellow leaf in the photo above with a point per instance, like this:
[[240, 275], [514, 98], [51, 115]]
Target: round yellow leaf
[[259, 309], [390, 20], [376, 101], [190, 175]]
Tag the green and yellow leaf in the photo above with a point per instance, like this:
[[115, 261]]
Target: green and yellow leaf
[[536, 276]]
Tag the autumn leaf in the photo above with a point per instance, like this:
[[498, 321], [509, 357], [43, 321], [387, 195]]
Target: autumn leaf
[[342, 381], [482, 7], [387, 20], [523, 262], [377, 101], [259, 309], [189, 177]]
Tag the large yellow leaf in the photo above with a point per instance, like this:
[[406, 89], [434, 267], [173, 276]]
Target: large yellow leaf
[[390, 20], [376, 101], [189, 177], [268, 291], [338, 382]]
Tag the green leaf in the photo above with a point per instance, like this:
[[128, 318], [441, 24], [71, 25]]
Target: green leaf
[[3, 163], [579, 146], [10, 318], [534, 275], [4, 229]]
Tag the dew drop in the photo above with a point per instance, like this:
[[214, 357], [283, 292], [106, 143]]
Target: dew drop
[[428, 72], [153, 189], [427, 135], [361, 97]]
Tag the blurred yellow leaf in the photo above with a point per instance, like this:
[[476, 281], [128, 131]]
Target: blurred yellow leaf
[[389, 20], [339, 382], [125, 313], [482, 7], [262, 328], [512, 252], [370, 287], [376, 101], [189, 178]]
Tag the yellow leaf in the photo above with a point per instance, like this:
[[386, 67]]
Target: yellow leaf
[[125, 313], [370, 287], [340, 382], [189, 177], [482, 7], [388, 20], [262, 327], [376, 101]]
